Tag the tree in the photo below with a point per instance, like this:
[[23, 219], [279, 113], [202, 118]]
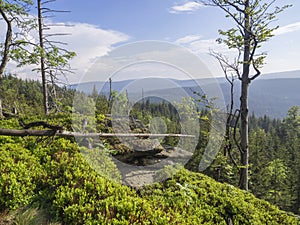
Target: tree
[[42, 57], [228, 69], [15, 16], [52, 58], [253, 28], [47, 54]]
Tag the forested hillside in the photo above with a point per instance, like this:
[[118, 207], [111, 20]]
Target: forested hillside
[[268, 96], [162, 149], [50, 180]]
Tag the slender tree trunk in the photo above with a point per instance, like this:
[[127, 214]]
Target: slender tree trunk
[[5, 54], [228, 146], [245, 81], [7, 43], [1, 113], [244, 136], [110, 94], [42, 59], [110, 89]]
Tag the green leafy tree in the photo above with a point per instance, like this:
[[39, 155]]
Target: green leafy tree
[[48, 54], [15, 16], [252, 20]]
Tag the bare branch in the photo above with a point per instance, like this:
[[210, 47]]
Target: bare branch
[[236, 114], [253, 63], [257, 72], [225, 64], [57, 34], [225, 8], [217, 3]]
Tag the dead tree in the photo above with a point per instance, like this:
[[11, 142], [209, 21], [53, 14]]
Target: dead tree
[[53, 58], [1, 113], [230, 70]]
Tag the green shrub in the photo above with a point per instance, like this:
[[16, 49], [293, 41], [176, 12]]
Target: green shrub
[[194, 195], [20, 173], [79, 186], [81, 196], [101, 162]]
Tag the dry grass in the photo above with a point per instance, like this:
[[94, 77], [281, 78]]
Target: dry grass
[[27, 216]]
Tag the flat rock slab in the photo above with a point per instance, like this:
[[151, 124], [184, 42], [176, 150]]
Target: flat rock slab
[[138, 176]]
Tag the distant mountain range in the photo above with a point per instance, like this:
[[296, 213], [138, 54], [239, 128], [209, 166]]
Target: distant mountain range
[[270, 94], [271, 97]]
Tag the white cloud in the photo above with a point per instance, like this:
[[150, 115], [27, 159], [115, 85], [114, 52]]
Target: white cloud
[[88, 41], [148, 59], [188, 39], [293, 27], [187, 7], [197, 44], [202, 47]]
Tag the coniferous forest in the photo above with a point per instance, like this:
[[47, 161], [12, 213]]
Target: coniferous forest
[[65, 158], [46, 180]]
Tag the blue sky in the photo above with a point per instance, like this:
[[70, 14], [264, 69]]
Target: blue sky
[[140, 19], [102, 25]]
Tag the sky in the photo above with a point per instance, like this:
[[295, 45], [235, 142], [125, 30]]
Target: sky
[[102, 26]]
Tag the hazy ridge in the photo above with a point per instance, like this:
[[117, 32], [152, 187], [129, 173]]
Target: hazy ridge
[[270, 94]]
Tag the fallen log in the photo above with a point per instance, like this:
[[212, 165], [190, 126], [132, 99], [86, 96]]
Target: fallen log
[[23, 133], [40, 124], [27, 132]]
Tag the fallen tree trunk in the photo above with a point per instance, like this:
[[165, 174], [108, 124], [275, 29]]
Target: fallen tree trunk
[[27, 132], [23, 133]]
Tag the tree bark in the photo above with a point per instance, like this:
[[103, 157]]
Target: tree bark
[[244, 102], [5, 54], [52, 132], [42, 59], [1, 113], [110, 94], [228, 145], [7, 43], [244, 136]]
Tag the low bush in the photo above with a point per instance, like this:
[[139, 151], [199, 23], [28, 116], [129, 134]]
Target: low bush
[[20, 175], [75, 185], [199, 199]]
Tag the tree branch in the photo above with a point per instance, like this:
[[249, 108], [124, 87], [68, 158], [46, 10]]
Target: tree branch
[[253, 63], [237, 115]]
